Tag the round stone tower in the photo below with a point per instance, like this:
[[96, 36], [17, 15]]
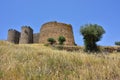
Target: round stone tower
[[26, 35], [13, 36], [54, 30]]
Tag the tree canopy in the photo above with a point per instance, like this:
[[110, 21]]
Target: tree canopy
[[92, 33], [117, 43]]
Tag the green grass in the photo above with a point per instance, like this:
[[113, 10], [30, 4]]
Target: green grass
[[38, 62]]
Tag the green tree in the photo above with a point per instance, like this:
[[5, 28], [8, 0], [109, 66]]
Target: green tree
[[61, 40], [92, 33], [51, 40], [117, 43]]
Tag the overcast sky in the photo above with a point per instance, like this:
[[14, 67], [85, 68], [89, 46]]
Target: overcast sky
[[34, 13]]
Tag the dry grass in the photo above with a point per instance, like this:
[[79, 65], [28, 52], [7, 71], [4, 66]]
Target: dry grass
[[37, 62]]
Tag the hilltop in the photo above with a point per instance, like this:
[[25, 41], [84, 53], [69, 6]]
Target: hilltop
[[39, 62]]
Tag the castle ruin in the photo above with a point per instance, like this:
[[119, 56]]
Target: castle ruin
[[48, 30]]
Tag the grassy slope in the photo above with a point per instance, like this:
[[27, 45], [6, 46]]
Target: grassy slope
[[37, 62]]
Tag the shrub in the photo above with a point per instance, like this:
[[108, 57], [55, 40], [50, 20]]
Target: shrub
[[61, 40], [51, 40]]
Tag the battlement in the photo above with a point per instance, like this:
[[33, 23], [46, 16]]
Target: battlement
[[27, 27], [13, 30]]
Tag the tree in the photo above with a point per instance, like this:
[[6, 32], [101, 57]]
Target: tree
[[61, 40], [51, 40], [117, 43], [92, 33]]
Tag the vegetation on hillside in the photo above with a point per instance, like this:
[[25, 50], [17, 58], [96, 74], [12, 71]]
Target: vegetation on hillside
[[38, 62], [92, 33]]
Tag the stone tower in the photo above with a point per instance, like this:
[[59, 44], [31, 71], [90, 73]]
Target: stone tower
[[13, 36], [26, 35], [54, 30]]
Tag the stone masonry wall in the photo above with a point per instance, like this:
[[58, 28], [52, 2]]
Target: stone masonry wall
[[13, 36], [36, 38], [26, 35], [54, 30]]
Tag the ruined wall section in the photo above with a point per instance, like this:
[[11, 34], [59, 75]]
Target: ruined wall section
[[36, 38], [26, 35], [13, 36], [54, 30]]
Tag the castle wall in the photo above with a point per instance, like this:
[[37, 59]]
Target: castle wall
[[26, 35], [13, 36], [36, 38], [54, 30]]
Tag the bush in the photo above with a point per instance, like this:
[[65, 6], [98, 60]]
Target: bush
[[51, 41], [61, 40]]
